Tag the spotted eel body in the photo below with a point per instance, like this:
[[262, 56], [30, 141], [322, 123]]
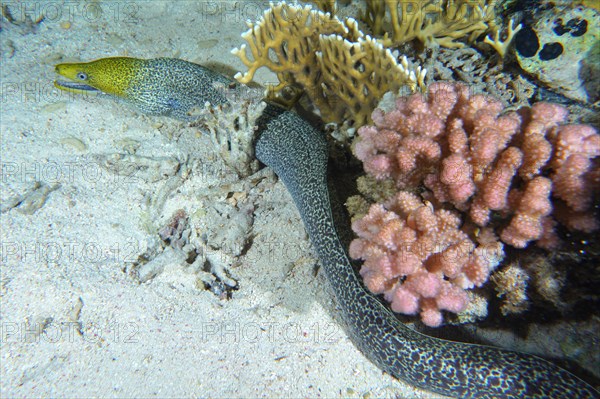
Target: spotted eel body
[[298, 155], [158, 86]]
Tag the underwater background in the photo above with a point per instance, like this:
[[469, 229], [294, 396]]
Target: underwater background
[[136, 261]]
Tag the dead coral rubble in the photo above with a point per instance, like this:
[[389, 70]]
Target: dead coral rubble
[[231, 126]]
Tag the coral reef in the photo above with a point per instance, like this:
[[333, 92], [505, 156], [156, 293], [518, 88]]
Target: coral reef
[[461, 148], [329, 6], [175, 232], [430, 22], [467, 65], [342, 71], [511, 285], [547, 279], [513, 174], [231, 126], [419, 258], [560, 47], [197, 245], [501, 46]]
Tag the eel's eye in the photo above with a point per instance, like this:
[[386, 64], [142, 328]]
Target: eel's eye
[[82, 76]]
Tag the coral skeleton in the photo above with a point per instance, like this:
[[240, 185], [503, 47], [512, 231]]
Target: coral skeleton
[[231, 126], [511, 285]]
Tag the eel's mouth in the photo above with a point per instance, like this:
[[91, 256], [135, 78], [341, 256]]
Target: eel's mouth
[[74, 87]]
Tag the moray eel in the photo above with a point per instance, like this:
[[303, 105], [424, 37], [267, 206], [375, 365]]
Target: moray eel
[[297, 153], [160, 86]]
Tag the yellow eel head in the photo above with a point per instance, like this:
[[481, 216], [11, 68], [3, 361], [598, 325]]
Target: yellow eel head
[[107, 75]]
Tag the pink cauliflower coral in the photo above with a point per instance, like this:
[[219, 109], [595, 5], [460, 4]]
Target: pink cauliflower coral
[[419, 258], [512, 174], [480, 161]]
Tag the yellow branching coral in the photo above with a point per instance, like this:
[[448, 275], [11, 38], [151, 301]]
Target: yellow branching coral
[[326, 5], [498, 44], [356, 76], [430, 21], [285, 41], [342, 71]]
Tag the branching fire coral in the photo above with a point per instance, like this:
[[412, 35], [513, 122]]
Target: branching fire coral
[[326, 5], [343, 71], [513, 174], [433, 21]]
